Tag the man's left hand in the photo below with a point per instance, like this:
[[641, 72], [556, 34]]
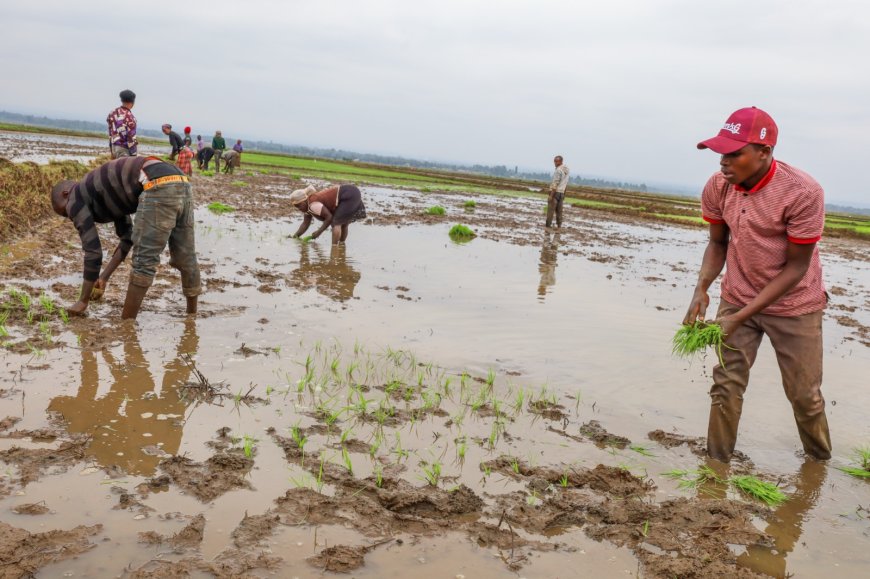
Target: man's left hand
[[729, 324]]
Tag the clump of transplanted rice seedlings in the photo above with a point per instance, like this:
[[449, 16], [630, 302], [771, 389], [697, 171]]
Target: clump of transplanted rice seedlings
[[461, 232], [220, 208], [435, 210], [470, 204], [862, 460], [764, 491], [693, 338]]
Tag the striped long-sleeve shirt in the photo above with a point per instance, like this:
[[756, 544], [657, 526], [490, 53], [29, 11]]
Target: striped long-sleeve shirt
[[108, 194]]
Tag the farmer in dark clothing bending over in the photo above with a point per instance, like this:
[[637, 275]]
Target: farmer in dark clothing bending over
[[160, 196], [174, 140], [765, 220]]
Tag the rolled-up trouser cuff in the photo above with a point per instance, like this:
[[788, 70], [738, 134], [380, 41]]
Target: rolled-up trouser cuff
[[140, 280], [191, 292]]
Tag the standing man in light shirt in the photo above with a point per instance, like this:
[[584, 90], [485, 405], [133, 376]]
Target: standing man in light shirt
[[556, 196], [122, 127], [765, 218]]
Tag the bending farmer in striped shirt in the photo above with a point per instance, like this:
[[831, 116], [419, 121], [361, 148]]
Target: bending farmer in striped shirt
[[161, 198], [765, 219]]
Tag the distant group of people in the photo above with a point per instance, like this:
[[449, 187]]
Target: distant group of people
[[123, 142]]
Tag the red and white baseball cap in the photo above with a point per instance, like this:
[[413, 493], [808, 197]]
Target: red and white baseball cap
[[749, 125]]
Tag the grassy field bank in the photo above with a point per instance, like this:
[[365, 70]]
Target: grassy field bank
[[24, 191]]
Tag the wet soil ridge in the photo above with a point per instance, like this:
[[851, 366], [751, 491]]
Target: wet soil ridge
[[31, 463], [208, 480], [23, 553], [677, 538]]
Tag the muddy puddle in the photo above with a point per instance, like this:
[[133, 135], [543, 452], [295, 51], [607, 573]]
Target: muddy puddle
[[410, 405], [38, 148]]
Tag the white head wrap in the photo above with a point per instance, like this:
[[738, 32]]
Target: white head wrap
[[300, 195]]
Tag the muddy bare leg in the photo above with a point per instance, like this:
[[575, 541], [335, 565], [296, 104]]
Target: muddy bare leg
[[336, 234], [344, 229]]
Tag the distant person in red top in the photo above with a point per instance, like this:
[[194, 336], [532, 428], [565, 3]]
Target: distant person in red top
[[338, 206], [185, 156], [187, 134], [765, 218]]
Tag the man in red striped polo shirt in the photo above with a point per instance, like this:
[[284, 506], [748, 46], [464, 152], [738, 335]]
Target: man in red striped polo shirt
[[765, 218]]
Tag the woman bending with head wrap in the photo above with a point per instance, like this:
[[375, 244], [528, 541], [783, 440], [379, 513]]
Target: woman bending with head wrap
[[338, 206]]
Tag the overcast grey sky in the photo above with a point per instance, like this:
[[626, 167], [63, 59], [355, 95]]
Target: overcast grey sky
[[622, 88]]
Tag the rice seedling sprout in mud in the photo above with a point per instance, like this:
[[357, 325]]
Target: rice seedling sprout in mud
[[47, 303], [378, 471], [345, 457], [861, 460], [220, 208], [435, 210], [248, 445], [432, 473], [764, 491], [694, 338], [640, 449], [470, 204], [460, 232]]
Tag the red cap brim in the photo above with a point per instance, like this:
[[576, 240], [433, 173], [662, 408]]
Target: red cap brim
[[722, 145]]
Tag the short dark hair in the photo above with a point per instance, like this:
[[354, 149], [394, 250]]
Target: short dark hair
[[558, 157], [127, 96]]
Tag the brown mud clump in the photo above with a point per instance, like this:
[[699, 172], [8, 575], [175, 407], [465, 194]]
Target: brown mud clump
[[341, 558], [208, 480], [597, 434], [23, 553], [33, 462]]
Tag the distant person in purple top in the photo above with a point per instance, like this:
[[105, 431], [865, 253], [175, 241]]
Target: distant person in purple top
[[238, 147], [122, 127], [199, 143]]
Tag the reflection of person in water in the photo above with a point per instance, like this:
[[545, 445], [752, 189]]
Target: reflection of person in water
[[785, 523], [334, 277], [547, 263], [132, 414]]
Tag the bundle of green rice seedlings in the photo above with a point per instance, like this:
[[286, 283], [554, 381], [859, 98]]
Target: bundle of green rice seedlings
[[862, 458], [691, 339], [764, 491]]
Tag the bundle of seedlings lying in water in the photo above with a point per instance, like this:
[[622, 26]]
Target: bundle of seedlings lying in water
[[460, 232], [220, 208], [693, 338], [435, 210], [749, 485], [862, 459]]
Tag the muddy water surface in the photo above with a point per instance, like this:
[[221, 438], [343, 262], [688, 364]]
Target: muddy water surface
[[38, 148], [575, 325]]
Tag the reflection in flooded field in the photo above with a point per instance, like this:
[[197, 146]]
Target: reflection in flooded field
[[532, 367]]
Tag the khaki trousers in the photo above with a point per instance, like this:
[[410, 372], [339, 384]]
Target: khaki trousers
[[555, 201], [797, 342]]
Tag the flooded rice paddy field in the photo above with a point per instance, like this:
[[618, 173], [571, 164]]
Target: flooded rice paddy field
[[42, 148], [407, 404]]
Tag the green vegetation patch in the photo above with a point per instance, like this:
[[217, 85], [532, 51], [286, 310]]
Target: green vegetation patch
[[435, 210], [460, 232], [470, 204], [764, 491], [207, 173], [861, 467], [220, 208], [239, 184]]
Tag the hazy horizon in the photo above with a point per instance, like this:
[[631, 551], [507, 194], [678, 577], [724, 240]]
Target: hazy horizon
[[624, 90]]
